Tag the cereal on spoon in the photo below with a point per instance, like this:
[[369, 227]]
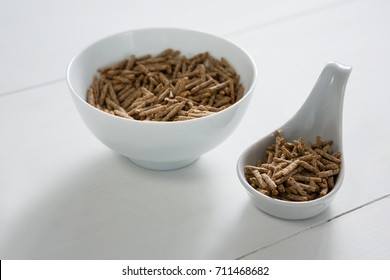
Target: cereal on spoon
[[295, 171]]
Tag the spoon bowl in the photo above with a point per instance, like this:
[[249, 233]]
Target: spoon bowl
[[320, 115]]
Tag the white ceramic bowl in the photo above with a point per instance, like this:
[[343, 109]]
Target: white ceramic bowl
[[150, 144]]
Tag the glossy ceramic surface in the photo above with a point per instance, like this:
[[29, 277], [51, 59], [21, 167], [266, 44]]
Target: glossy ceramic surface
[[321, 114], [159, 145]]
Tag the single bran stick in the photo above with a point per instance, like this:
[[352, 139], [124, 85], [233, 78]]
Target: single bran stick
[[287, 170], [273, 187]]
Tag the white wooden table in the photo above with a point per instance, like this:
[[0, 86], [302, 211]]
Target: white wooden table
[[63, 195]]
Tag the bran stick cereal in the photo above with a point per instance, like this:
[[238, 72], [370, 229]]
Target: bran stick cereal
[[131, 88], [295, 171]]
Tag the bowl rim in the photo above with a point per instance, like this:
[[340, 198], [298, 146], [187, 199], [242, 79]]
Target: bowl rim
[[247, 93]]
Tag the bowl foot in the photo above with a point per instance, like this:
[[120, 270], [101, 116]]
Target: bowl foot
[[163, 165]]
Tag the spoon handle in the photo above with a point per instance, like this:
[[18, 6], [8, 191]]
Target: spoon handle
[[322, 110]]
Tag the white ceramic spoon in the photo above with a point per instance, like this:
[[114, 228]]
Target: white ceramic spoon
[[321, 115]]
